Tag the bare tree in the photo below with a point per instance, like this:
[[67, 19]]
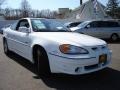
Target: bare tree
[[1, 2], [48, 13], [55, 14], [27, 11], [7, 12], [26, 8]]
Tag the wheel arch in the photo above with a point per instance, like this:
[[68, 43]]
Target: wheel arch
[[115, 34], [38, 46]]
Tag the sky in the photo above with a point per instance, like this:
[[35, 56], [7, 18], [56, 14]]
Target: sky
[[47, 4]]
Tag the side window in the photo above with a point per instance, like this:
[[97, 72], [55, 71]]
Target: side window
[[22, 23], [118, 24], [114, 24], [103, 24], [107, 24], [93, 24]]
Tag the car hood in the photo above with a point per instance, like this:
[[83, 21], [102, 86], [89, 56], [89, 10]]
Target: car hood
[[70, 38]]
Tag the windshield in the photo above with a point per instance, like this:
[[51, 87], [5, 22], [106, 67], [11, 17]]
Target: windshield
[[82, 25], [47, 25], [72, 24]]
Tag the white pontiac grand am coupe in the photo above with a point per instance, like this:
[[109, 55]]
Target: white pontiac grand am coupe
[[54, 49]]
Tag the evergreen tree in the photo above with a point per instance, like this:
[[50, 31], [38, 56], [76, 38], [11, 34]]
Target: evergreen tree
[[112, 8]]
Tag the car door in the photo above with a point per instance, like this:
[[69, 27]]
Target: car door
[[106, 29], [103, 29], [23, 39], [10, 36]]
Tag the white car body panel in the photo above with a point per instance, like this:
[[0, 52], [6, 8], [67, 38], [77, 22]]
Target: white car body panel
[[22, 44]]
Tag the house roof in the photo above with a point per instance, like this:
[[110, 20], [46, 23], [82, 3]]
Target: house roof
[[87, 12]]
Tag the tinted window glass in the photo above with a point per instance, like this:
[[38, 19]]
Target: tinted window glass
[[113, 24], [83, 24], [93, 24], [102, 24], [23, 23], [108, 24], [74, 24]]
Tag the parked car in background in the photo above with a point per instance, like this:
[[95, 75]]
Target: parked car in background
[[72, 24], [53, 49], [100, 29], [119, 21], [3, 28]]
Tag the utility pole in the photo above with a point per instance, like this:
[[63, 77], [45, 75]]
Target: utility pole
[[80, 2]]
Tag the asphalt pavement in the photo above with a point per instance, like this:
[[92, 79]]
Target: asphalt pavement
[[16, 73]]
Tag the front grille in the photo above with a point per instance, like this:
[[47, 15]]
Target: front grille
[[98, 48]]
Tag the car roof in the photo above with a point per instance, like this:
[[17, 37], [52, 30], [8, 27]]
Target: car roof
[[33, 18], [102, 20]]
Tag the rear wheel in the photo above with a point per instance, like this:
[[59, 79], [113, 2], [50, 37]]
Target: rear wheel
[[41, 61], [5, 45], [114, 37]]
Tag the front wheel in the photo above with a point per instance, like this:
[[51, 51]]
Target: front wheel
[[5, 45], [41, 62]]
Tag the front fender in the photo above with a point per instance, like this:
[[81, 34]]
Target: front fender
[[49, 46]]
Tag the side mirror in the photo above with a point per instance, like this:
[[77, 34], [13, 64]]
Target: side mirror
[[68, 26], [88, 26], [24, 29]]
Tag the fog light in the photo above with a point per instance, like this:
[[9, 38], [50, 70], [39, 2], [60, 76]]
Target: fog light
[[78, 69]]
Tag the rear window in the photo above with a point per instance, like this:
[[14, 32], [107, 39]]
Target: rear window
[[113, 24]]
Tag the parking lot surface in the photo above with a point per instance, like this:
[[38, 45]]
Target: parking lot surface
[[16, 73]]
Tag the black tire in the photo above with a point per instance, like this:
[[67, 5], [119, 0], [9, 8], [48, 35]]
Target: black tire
[[5, 46], [41, 62], [114, 37]]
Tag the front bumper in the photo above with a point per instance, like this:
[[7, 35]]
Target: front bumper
[[77, 66]]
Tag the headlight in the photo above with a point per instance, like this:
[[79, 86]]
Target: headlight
[[70, 49]]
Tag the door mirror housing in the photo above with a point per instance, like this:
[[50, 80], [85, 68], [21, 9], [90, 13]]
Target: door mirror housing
[[24, 29], [88, 26]]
